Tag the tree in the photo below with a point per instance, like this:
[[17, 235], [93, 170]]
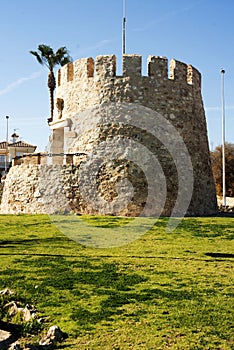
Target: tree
[[217, 167], [47, 57]]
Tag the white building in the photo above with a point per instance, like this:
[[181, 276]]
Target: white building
[[13, 149]]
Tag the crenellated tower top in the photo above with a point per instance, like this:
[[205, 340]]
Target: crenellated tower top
[[104, 67], [167, 87]]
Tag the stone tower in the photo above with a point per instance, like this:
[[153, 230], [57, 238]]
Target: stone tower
[[124, 145], [174, 93]]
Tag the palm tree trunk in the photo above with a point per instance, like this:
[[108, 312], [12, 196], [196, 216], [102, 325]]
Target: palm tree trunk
[[51, 86]]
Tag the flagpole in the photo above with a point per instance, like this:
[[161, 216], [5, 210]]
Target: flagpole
[[124, 28], [223, 139]]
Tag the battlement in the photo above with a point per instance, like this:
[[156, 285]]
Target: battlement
[[104, 67]]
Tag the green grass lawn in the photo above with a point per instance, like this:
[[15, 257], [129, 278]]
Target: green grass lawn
[[162, 291]]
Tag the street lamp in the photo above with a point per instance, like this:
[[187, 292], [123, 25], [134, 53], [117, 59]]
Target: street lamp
[[223, 138], [6, 157]]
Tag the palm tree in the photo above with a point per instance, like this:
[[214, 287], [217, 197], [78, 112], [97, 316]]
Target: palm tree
[[47, 57]]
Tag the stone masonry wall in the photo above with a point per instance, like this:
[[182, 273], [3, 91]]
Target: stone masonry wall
[[89, 84], [33, 189], [92, 103], [48, 189], [1, 190]]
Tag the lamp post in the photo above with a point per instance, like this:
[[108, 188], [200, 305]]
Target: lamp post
[[6, 157], [223, 138]]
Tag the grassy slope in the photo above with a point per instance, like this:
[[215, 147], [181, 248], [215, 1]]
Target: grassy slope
[[161, 291]]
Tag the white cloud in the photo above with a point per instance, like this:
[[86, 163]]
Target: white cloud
[[19, 82]]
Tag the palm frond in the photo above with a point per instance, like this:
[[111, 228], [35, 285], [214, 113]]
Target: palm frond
[[38, 57], [61, 51], [62, 56], [46, 56], [46, 51], [65, 60]]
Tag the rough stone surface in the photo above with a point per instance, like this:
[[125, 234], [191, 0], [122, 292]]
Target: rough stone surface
[[4, 335], [15, 346], [29, 312], [53, 336], [6, 291], [1, 190], [87, 91], [13, 308], [33, 189]]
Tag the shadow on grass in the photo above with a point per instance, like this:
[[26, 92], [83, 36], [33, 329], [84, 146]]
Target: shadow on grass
[[70, 283], [200, 228], [91, 291], [86, 279], [14, 331], [220, 255], [28, 242], [81, 280]]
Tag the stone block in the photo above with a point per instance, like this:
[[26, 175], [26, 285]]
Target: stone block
[[132, 66], [106, 66], [158, 67]]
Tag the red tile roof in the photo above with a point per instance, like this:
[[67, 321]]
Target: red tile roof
[[21, 144], [3, 144]]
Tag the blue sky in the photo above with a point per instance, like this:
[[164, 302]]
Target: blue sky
[[198, 32]]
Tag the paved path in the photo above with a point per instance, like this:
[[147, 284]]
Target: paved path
[[229, 201]]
